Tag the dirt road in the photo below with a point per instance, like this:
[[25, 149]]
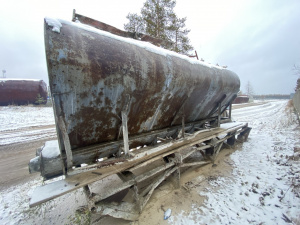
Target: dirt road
[[14, 159]]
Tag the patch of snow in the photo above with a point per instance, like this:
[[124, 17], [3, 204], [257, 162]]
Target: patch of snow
[[229, 125], [260, 188], [14, 206], [24, 123], [53, 23], [167, 214], [51, 149]]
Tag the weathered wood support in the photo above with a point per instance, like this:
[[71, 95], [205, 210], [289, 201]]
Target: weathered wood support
[[67, 144], [217, 149], [178, 160], [177, 178], [231, 140], [219, 113], [230, 110], [183, 128], [202, 163], [125, 133], [88, 194], [137, 197], [154, 185], [243, 136]]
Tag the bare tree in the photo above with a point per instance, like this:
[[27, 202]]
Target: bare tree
[[296, 69], [249, 89]]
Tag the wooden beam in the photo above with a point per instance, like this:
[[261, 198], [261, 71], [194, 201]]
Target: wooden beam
[[201, 163], [230, 109], [155, 184], [125, 133], [183, 129], [66, 139], [219, 114]]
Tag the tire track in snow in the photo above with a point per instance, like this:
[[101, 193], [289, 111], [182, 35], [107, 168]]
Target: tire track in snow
[[251, 114], [27, 135], [25, 123]]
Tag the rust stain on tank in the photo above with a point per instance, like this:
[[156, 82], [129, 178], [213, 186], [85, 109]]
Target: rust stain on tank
[[97, 76]]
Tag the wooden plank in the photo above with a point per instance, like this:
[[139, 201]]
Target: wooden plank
[[125, 133], [72, 182], [183, 129], [201, 163], [66, 139], [219, 114], [129, 183], [154, 185]]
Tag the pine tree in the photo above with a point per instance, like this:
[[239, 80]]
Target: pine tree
[[179, 35], [40, 100], [135, 24], [159, 20], [157, 15]]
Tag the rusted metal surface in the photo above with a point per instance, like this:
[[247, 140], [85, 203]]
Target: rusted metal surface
[[241, 99], [94, 77], [21, 91]]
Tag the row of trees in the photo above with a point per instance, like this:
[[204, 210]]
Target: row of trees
[[158, 19]]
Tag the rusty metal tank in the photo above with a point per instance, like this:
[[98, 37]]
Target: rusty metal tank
[[95, 75], [21, 91]]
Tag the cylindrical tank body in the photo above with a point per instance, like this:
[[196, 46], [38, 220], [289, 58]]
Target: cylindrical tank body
[[22, 91], [95, 75]]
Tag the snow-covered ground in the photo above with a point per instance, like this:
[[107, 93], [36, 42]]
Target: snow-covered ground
[[265, 185], [25, 123]]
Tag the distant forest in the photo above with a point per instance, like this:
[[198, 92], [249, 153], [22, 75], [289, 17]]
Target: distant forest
[[274, 96]]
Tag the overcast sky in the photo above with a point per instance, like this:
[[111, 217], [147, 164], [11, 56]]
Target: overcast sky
[[257, 39]]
